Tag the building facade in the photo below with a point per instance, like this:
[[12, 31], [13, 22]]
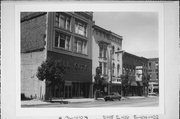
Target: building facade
[[136, 68], [104, 45], [153, 69], [63, 36]]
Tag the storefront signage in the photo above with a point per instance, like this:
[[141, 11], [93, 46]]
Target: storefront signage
[[68, 83], [138, 73]]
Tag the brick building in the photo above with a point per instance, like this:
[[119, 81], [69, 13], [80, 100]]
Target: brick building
[[135, 67], [64, 36], [105, 44], [153, 69]]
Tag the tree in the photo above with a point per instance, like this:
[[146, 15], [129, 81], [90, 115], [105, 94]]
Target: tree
[[125, 84], [145, 80], [52, 72], [98, 82]]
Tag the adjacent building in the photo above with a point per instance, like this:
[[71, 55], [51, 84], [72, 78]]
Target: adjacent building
[[105, 44], [136, 68], [153, 69], [64, 36]]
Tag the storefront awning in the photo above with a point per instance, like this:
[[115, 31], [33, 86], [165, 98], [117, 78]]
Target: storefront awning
[[140, 83], [133, 83]]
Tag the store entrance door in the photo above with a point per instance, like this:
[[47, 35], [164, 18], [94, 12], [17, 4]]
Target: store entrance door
[[68, 90]]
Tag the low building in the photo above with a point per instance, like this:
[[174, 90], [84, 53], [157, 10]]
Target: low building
[[135, 68]]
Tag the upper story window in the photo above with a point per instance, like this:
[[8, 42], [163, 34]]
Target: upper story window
[[62, 41], [103, 66], [80, 46], [113, 51], [113, 69], [157, 65], [102, 51], [118, 69], [149, 64], [63, 21], [81, 28]]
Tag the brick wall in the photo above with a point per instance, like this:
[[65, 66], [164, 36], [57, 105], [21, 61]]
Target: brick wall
[[33, 27], [33, 53]]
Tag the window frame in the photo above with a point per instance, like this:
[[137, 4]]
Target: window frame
[[80, 24], [58, 38], [67, 19], [84, 45]]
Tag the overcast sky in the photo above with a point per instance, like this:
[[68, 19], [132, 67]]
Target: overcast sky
[[138, 29]]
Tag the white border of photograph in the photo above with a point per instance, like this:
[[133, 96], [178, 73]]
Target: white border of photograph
[[103, 7], [10, 95]]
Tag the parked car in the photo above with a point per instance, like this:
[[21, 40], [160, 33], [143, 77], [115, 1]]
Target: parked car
[[153, 94], [113, 96]]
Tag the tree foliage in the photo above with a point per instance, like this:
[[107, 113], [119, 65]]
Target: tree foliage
[[52, 71], [145, 80], [98, 84], [98, 79]]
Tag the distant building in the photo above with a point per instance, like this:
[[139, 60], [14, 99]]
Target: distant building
[[135, 67], [64, 36], [105, 44], [153, 69]]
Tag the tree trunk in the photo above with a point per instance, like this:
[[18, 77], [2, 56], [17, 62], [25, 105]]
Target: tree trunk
[[95, 94]]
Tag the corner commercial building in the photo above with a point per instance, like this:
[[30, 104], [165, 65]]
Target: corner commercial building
[[60, 36]]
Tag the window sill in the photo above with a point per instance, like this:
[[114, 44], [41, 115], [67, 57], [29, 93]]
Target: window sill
[[103, 58], [67, 30], [81, 36], [81, 53], [59, 48]]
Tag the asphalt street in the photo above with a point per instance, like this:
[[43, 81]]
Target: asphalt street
[[143, 102]]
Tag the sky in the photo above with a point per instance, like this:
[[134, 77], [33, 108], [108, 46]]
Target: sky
[[138, 29]]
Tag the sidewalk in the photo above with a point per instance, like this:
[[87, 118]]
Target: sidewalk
[[34, 102], [76, 100], [62, 101]]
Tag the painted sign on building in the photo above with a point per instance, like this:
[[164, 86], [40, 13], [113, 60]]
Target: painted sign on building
[[138, 73]]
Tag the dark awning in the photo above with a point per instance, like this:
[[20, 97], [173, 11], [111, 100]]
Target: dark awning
[[140, 83]]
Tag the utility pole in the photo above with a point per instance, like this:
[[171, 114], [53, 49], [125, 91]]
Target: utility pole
[[110, 72], [121, 52]]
